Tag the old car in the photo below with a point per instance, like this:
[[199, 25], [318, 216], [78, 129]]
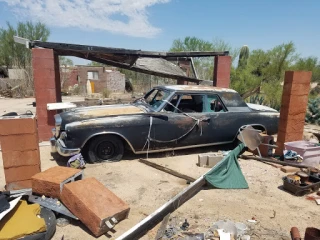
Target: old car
[[166, 118]]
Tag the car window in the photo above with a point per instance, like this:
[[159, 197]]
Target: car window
[[156, 98], [190, 103], [213, 104], [170, 107]]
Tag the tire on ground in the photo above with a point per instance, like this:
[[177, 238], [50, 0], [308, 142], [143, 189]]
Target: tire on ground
[[105, 148]]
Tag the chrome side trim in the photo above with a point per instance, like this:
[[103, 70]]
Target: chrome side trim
[[184, 147], [153, 151], [105, 133]]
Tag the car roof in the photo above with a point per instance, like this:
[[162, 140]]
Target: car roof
[[195, 88]]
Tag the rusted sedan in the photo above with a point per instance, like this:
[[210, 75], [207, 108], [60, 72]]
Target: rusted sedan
[[166, 118]]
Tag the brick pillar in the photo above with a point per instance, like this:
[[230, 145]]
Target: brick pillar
[[221, 74], [293, 108], [47, 87], [20, 151]]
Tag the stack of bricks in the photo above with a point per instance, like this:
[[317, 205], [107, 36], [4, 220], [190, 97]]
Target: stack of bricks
[[47, 88], [293, 108], [89, 200], [20, 151], [222, 68]]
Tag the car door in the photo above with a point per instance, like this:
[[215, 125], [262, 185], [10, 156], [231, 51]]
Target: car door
[[210, 124]]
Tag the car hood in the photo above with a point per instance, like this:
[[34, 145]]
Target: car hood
[[261, 108], [84, 113]]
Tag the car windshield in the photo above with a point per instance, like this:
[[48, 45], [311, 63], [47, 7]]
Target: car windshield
[[156, 97]]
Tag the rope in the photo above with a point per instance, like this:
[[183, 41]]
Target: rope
[[150, 139]]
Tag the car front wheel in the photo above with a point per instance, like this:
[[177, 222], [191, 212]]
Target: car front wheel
[[105, 149]]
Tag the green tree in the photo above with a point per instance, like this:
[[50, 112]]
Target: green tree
[[203, 66], [17, 55], [308, 64]]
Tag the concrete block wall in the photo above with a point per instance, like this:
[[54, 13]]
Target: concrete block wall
[[115, 81], [293, 109], [20, 150], [221, 73], [47, 88]]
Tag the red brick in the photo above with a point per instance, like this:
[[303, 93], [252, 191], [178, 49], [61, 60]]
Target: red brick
[[222, 68], [48, 182], [9, 126], [42, 53], [18, 185], [19, 142], [297, 77], [21, 158], [93, 203], [43, 64], [15, 174], [293, 109]]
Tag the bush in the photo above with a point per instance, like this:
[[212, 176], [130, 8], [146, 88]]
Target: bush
[[313, 111]]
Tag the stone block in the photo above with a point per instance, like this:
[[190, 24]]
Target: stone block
[[51, 181], [93, 204], [21, 173], [21, 158], [19, 142], [17, 125]]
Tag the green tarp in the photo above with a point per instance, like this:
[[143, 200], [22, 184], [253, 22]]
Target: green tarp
[[227, 173]]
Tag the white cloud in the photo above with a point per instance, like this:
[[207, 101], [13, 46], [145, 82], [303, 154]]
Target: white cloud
[[129, 17]]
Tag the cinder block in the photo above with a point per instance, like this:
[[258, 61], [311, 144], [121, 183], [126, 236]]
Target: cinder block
[[213, 159], [19, 142], [21, 158], [93, 204], [18, 185], [17, 125], [16, 174], [202, 160], [288, 169], [51, 181]]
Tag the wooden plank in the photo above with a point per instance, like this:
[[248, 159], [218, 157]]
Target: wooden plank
[[162, 228], [261, 159], [289, 169], [167, 170], [153, 219]]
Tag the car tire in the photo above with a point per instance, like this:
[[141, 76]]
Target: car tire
[[106, 148]]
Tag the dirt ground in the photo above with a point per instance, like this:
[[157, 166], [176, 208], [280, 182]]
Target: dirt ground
[[145, 189]]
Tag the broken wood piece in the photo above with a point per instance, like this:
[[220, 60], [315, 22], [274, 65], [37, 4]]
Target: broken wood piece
[[261, 159], [153, 219], [162, 228], [289, 169], [167, 170]]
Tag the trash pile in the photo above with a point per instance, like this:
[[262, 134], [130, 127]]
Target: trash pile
[[222, 229], [59, 191]]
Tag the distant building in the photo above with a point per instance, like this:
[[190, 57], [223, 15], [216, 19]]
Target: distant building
[[99, 77]]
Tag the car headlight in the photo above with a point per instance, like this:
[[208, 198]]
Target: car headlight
[[63, 135]]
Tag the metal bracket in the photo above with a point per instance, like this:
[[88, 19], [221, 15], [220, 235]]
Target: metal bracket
[[53, 204]]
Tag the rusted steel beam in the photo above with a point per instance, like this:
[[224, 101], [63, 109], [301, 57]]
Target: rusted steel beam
[[122, 51]]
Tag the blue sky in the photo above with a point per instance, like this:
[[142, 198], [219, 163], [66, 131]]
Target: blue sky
[[154, 24]]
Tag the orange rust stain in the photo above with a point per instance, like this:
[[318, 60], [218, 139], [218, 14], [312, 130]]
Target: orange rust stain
[[113, 111]]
